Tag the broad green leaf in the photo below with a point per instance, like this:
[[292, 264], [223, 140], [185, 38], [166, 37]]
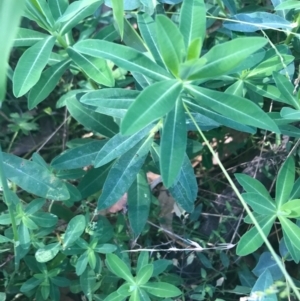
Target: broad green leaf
[[192, 23], [295, 194], [119, 268], [289, 113], [217, 117], [10, 16], [44, 219], [151, 104], [222, 58], [139, 201], [31, 65], [92, 258], [114, 102], [291, 230], [76, 12], [286, 88], [236, 88], [160, 266], [285, 181], [292, 208], [74, 230], [82, 263], [80, 156], [236, 108], [33, 13], [115, 296], [72, 95], [259, 203], [143, 259], [118, 145], [46, 83], [123, 173], [162, 289], [293, 251], [173, 144], [34, 178], [287, 5], [100, 123], [267, 262], [105, 248], [124, 57], [95, 68], [43, 7], [170, 43], [118, 12], [48, 252], [93, 181], [57, 7], [144, 274], [252, 185], [107, 33], [30, 284], [24, 236], [148, 31], [194, 49], [28, 37], [185, 189], [252, 240], [88, 283]]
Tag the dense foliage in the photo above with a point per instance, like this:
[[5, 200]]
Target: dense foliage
[[104, 99]]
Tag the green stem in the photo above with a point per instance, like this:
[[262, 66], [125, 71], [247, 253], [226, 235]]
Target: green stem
[[12, 141], [253, 219], [292, 33]]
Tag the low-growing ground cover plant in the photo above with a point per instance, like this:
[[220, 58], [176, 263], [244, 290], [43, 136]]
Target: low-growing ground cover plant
[[119, 96]]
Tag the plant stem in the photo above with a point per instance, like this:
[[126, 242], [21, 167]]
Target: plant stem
[[292, 33], [247, 209]]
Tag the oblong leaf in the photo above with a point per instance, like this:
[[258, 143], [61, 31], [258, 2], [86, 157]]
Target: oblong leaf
[[285, 181], [222, 58], [48, 252], [95, 68], [34, 178], [74, 230], [80, 156], [46, 83], [170, 43], [124, 57], [123, 173], [27, 37], [31, 65], [58, 7], [173, 144], [144, 274], [151, 104], [291, 230], [98, 122], [162, 289], [237, 108], [260, 203]]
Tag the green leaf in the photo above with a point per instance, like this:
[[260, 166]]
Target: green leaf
[[48, 252], [44, 219], [162, 289], [291, 230], [144, 274], [31, 65], [192, 23], [119, 268], [10, 16], [93, 181], [118, 145], [57, 7], [123, 173], [290, 114], [252, 240], [139, 200], [148, 31], [295, 194], [34, 178], [88, 283], [82, 263], [43, 7], [290, 4], [173, 144], [46, 83], [236, 108], [30, 284], [97, 122], [222, 58], [259, 203], [263, 284], [28, 37], [160, 266], [285, 181], [118, 12], [124, 57], [152, 103], [95, 68], [170, 43], [286, 88], [105, 248], [293, 207], [143, 259], [76, 12], [74, 230], [80, 156], [114, 102], [24, 236], [185, 189], [252, 185], [115, 296]]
